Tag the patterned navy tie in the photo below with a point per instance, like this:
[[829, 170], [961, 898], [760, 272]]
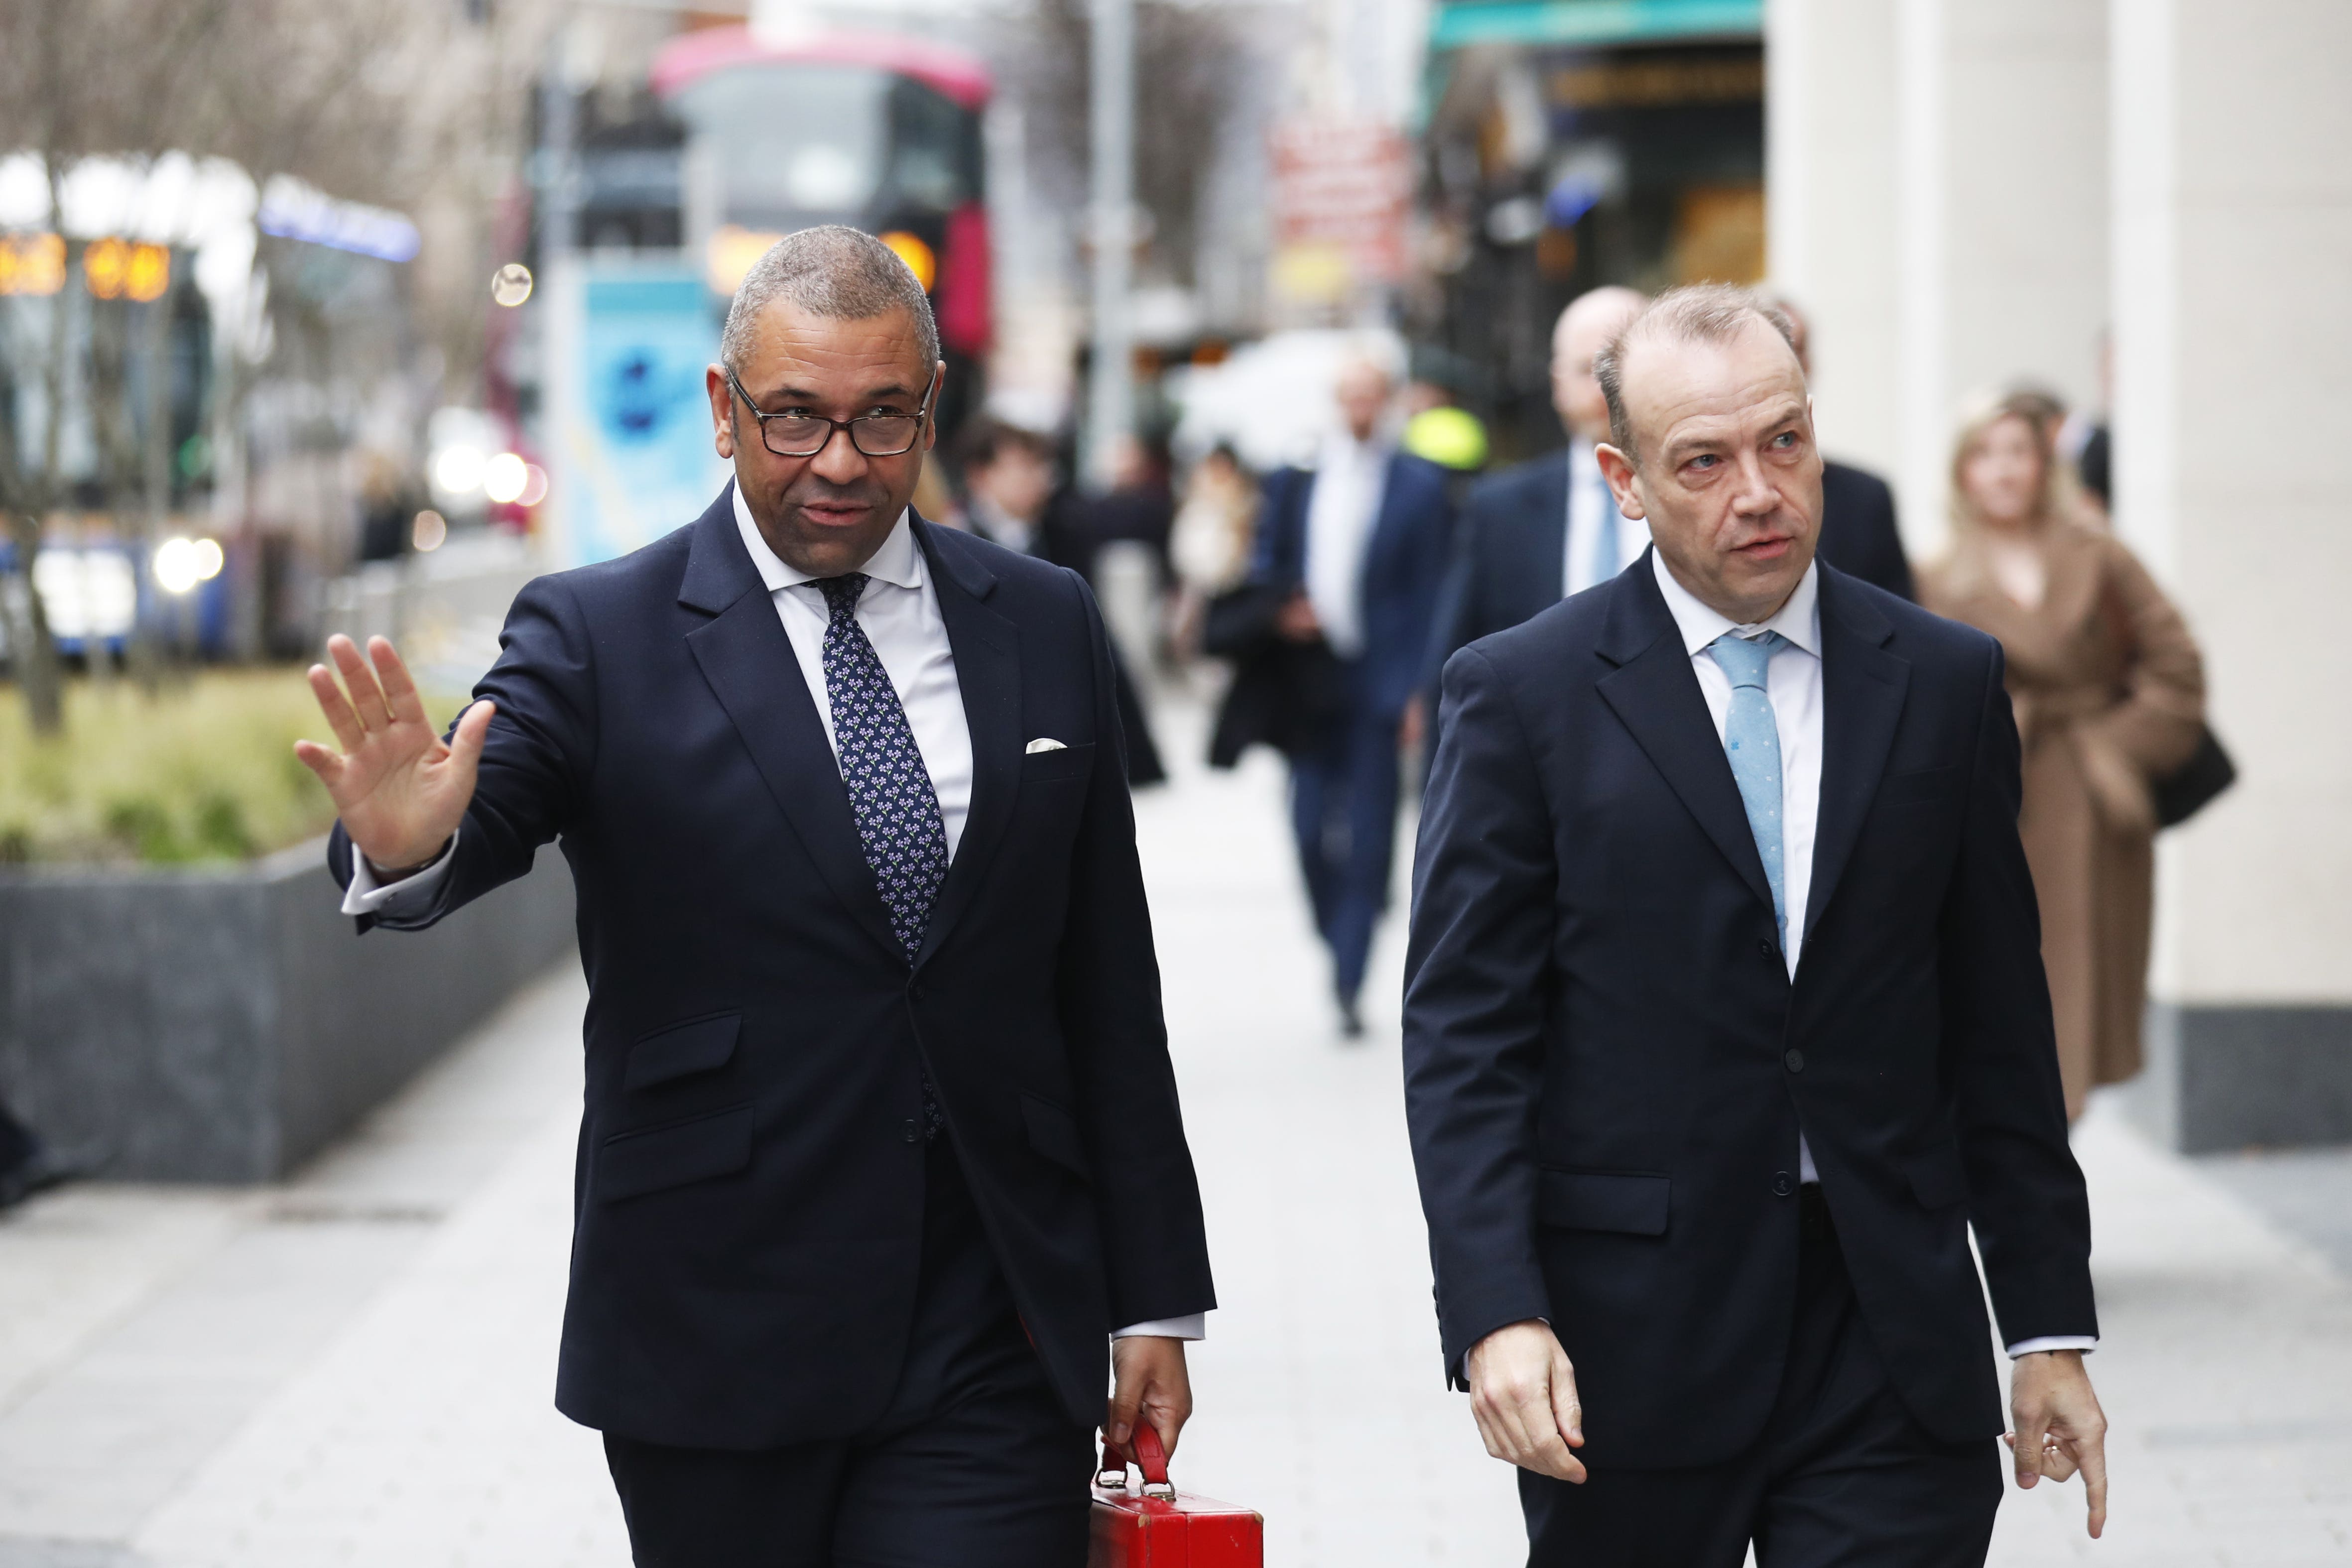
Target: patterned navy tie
[[891, 791]]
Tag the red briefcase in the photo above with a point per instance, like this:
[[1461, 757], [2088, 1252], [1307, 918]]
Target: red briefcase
[[1156, 1526]]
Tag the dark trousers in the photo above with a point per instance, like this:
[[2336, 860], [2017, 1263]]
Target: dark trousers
[[975, 1464], [1343, 806], [1842, 1476]]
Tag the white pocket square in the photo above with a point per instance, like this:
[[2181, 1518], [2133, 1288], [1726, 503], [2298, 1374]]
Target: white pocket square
[[1044, 743]]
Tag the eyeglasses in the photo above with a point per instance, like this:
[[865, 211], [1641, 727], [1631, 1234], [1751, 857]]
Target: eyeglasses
[[806, 434]]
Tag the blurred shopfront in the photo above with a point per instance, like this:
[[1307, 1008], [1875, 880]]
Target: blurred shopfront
[[1573, 143]]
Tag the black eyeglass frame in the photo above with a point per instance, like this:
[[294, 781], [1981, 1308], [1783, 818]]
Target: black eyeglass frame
[[922, 416]]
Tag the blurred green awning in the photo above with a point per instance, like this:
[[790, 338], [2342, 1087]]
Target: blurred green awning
[[1591, 21]]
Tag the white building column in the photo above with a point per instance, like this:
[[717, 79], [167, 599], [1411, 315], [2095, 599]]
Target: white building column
[[1833, 246], [1938, 175], [2232, 203]]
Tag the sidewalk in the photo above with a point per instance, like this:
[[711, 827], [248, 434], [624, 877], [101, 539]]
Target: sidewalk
[[355, 1368]]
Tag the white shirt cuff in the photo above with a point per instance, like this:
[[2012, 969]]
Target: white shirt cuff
[[2054, 1342], [365, 895], [1194, 1326]]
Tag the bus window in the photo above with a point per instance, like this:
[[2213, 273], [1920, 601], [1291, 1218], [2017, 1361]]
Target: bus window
[[794, 144], [932, 169]]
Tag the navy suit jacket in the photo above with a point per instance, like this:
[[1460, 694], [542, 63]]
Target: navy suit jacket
[[1859, 536], [1510, 558], [1608, 1066], [749, 1193], [1404, 565]]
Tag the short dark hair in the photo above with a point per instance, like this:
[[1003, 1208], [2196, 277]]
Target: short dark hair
[[1695, 313], [834, 271], [987, 438]]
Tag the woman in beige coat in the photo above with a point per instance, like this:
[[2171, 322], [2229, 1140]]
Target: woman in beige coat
[[2110, 693]]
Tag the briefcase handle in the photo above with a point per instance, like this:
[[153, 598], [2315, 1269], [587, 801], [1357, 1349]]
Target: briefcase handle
[[1150, 1458]]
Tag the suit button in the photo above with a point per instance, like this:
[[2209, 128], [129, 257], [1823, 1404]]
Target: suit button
[[1795, 1060], [1764, 945], [1783, 1183], [914, 1132], [916, 992]]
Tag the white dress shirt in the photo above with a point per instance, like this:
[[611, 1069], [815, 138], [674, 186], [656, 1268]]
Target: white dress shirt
[[900, 612], [1793, 684], [1340, 509], [1588, 493]]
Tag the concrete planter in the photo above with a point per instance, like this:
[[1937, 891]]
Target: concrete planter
[[222, 1024]]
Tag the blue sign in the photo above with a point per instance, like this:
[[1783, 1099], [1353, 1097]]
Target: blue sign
[[632, 433]]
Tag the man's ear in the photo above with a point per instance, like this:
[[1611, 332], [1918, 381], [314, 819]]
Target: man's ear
[[722, 410], [1618, 470], [932, 420]]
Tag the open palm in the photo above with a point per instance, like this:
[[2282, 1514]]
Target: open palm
[[400, 790]]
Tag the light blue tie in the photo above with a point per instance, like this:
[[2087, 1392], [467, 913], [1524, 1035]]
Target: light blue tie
[[1751, 739], [1605, 543]]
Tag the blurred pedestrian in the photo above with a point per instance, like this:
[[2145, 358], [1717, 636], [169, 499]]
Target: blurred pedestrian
[[1209, 545], [1008, 478], [882, 1150], [1724, 1022], [1536, 533], [1859, 536], [1346, 572], [2110, 693]]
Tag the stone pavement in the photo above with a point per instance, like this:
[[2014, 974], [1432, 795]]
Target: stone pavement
[[355, 1368]]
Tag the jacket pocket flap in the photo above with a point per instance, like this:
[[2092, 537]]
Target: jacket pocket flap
[[1595, 1200], [633, 1164], [1053, 1134], [1938, 1177], [1068, 762], [682, 1049], [1921, 785]]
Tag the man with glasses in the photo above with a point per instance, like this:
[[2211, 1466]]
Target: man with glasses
[[881, 1146]]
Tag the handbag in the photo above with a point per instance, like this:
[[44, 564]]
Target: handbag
[[1153, 1525], [2189, 789]]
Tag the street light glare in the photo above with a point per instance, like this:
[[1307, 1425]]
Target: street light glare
[[510, 285], [458, 470], [505, 477], [181, 563]]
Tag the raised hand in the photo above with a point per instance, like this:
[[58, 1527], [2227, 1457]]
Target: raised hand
[[1523, 1395], [400, 790]]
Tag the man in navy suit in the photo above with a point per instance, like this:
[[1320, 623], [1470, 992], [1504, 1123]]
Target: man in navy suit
[[1536, 533], [880, 1144], [1724, 1021], [1354, 549]]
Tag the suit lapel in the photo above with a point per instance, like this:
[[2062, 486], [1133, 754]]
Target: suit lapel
[[1655, 695], [748, 663], [1862, 689], [987, 650]]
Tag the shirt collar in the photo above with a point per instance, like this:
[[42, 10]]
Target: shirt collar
[[896, 562], [1800, 620], [1340, 448]]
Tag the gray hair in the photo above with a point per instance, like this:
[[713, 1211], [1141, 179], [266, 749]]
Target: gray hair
[[1697, 313], [834, 271]]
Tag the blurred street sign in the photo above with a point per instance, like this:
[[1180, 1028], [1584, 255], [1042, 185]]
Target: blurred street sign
[[1343, 189], [631, 449]]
